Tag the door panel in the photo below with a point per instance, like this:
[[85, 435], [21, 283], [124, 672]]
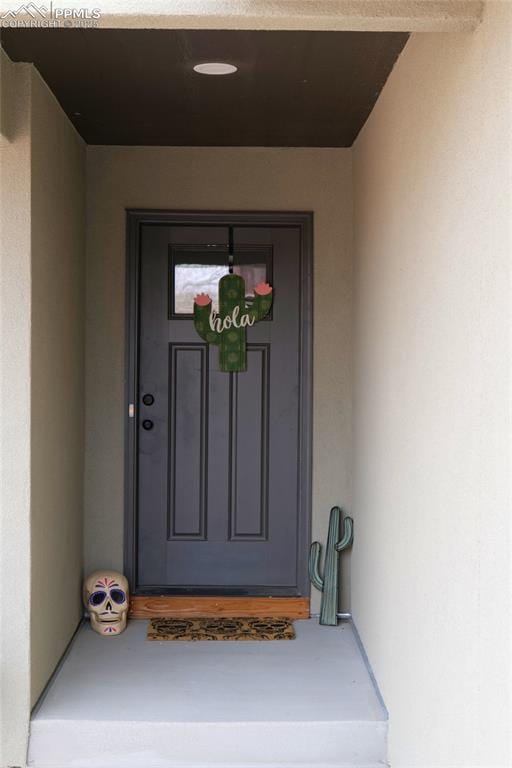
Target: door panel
[[187, 433], [249, 460], [218, 460]]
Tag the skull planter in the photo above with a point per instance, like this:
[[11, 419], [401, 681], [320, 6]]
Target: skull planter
[[106, 600]]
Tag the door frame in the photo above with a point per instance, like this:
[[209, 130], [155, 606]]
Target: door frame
[[135, 219]]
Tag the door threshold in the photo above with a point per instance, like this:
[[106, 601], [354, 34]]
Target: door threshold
[[151, 606]]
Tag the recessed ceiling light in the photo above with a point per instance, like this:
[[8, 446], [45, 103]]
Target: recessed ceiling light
[[215, 68]]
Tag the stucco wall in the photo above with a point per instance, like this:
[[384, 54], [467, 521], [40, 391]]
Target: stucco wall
[[41, 392], [236, 179], [370, 15], [430, 568], [15, 318], [57, 395]]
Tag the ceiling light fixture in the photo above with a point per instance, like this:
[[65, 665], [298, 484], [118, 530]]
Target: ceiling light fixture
[[215, 68]]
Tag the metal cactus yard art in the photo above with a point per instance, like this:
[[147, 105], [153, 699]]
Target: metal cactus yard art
[[227, 327], [329, 585]]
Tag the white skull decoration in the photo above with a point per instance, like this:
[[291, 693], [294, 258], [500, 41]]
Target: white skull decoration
[[106, 599]]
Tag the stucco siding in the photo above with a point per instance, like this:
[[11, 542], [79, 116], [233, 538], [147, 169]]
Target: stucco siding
[[41, 392], [57, 381], [15, 490], [431, 563]]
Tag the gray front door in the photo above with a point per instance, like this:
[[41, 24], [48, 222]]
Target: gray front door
[[218, 470]]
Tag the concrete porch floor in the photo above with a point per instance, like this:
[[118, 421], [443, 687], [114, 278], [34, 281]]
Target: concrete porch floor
[[125, 702]]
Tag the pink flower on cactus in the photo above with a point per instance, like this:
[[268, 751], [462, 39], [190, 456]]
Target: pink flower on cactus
[[202, 300], [263, 289]]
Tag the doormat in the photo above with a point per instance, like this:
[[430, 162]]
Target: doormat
[[221, 629]]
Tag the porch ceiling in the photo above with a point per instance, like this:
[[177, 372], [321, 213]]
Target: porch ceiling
[[138, 87]]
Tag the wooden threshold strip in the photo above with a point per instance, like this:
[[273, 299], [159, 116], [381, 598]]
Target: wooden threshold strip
[[148, 606]]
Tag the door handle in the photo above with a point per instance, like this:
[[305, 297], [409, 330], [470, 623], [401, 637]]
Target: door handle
[[147, 424]]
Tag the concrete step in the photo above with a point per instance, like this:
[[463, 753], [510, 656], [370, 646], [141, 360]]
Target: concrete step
[[126, 702]]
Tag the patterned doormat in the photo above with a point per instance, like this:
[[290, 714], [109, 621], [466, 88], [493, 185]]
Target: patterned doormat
[[221, 629]]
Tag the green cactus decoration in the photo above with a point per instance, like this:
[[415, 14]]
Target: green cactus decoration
[[329, 585], [227, 328]]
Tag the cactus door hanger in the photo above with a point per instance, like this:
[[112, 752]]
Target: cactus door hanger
[[227, 327]]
